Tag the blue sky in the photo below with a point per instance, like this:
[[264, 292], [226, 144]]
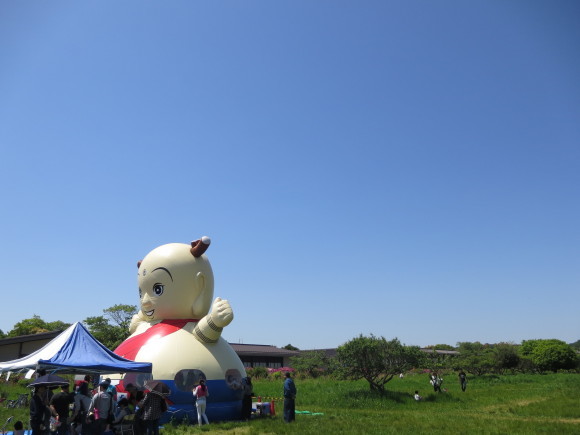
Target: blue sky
[[409, 169]]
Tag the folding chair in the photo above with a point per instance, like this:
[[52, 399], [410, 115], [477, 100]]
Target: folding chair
[[126, 426]]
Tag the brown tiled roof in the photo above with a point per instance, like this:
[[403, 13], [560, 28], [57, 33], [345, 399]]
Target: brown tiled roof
[[261, 349]]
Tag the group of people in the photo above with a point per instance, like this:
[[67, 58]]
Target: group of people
[[95, 411], [436, 381], [201, 392]]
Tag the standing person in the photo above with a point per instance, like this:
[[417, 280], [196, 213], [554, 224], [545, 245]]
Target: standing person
[[111, 389], [38, 411], [436, 381], [101, 406], [289, 399], [82, 402], [201, 392], [59, 407], [154, 406], [247, 399], [138, 423], [463, 380]]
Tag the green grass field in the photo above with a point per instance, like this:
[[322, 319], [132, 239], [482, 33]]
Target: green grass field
[[509, 404]]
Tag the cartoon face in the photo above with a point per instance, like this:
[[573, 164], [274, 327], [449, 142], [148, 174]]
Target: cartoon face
[[173, 284]]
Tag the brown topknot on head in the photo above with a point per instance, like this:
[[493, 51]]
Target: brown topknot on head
[[198, 247]]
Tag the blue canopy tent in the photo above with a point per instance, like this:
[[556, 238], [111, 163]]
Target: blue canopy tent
[[75, 350]]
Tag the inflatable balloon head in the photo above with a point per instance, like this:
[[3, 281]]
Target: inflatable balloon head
[[176, 282]]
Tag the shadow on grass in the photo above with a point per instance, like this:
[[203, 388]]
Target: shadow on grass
[[442, 398], [395, 396]]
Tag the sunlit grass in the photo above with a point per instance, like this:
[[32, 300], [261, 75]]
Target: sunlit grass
[[514, 404]]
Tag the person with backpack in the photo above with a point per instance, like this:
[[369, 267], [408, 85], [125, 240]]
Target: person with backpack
[[82, 401], [101, 409]]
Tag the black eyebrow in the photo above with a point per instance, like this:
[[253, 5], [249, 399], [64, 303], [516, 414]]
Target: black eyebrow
[[162, 268]]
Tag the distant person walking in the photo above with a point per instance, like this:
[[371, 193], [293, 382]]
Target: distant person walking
[[200, 393], [436, 381], [289, 399], [462, 380]]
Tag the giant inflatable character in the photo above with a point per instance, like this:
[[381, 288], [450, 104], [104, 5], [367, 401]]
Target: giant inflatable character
[[176, 331]]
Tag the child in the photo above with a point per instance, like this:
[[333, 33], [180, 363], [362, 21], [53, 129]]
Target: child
[[18, 428], [417, 397]]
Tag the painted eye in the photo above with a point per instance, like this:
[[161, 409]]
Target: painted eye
[[158, 289], [140, 294]]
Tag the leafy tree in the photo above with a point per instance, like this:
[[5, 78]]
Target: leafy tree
[[506, 357], [311, 363], [376, 360], [575, 345], [121, 315], [438, 361], [2, 334], [35, 325], [111, 335], [475, 358], [549, 354], [290, 347]]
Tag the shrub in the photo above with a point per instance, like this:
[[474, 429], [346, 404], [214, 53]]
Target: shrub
[[257, 372]]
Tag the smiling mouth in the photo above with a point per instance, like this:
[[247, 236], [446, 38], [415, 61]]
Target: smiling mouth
[[149, 313]]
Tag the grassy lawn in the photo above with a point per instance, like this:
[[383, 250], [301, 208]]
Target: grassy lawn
[[509, 404]]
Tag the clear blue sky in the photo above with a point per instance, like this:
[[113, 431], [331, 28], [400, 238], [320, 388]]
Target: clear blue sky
[[409, 169]]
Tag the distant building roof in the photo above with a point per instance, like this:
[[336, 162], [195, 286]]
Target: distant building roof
[[31, 337], [262, 349], [440, 352]]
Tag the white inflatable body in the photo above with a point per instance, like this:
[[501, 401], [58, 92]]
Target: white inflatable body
[[175, 330]]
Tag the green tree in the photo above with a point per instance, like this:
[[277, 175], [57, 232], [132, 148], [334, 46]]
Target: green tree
[[436, 362], [549, 354], [36, 325], [475, 358], [376, 360], [311, 363], [506, 357], [290, 347], [111, 334], [2, 334]]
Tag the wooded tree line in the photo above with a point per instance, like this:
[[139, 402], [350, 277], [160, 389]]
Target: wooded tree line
[[378, 360], [372, 358], [111, 329]]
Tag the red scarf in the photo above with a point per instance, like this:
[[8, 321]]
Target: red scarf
[[130, 347]]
